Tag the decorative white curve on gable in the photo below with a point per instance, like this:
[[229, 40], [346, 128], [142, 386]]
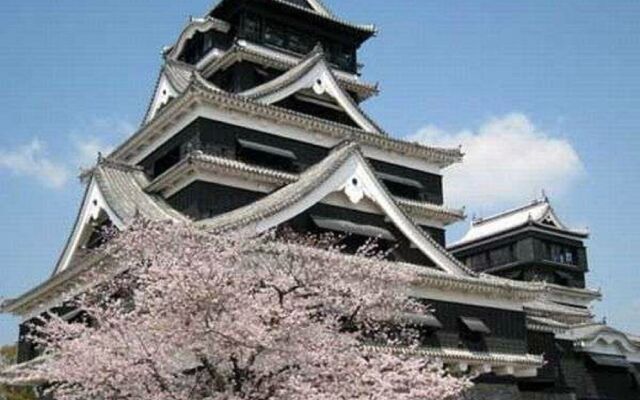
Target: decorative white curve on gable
[[356, 180], [196, 25], [318, 78], [164, 93], [602, 339], [611, 340], [93, 205]]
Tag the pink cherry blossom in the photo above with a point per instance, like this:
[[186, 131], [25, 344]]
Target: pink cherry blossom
[[179, 313]]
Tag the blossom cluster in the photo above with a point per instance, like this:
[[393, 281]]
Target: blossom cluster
[[180, 313]]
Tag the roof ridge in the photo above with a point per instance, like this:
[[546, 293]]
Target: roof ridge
[[109, 163], [199, 87], [304, 65], [285, 62], [316, 59], [270, 204], [179, 64], [532, 204]]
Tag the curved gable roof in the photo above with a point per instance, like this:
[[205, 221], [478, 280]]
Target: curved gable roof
[[314, 8], [195, 25], [344, 170], [117, 191], [174, 78], [314, 73], [539, 212]]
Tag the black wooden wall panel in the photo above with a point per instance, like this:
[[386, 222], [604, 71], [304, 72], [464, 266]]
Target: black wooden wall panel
[[508, 328], [219, 138]]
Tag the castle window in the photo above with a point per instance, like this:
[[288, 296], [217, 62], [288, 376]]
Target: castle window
[[265, 155], [401, 186], [475, 325], [299, 43], [251, 27], [275, 35], [428, 320], [342, 56], [560, 254]]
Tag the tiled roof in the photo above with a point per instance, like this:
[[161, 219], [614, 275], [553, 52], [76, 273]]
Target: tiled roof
[[451, 354], [194, 25], [558, 312], [537, 212], [312, 179], [179, 74], [284, 197], [245, 50], [316, 9], [271, 56], [315, 59], [202, 90], [235, 167], [122, 187], [295, 73]]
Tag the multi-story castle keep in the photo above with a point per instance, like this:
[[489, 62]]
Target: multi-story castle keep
[[256, 122]]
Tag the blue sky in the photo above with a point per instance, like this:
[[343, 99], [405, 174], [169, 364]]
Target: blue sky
[[541, 93]]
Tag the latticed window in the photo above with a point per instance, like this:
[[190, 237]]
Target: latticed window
[[251, 27], [560, 254], [275, 35], [299, 43]]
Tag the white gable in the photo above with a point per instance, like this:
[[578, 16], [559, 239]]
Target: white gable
[[164, 93], [315, 76], [355, 180]]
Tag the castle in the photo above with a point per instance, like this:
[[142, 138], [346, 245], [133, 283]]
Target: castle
[[256, 122]]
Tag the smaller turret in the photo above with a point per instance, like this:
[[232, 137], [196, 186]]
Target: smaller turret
[[528, 243]]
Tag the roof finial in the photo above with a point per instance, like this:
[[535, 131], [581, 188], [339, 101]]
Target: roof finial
[[100, 158], [544, 196]]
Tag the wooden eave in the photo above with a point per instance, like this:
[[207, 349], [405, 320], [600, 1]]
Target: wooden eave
[[198, 161], [201, 91], [225, 9], [315, 68], [522, 228], [243, 51]]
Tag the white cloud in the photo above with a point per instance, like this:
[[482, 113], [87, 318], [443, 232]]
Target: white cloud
[[31, 160], [508, 160], [98, 136], [87, 150]]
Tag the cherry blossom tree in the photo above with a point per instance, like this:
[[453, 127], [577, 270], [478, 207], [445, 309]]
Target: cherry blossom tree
[[186, 314]]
